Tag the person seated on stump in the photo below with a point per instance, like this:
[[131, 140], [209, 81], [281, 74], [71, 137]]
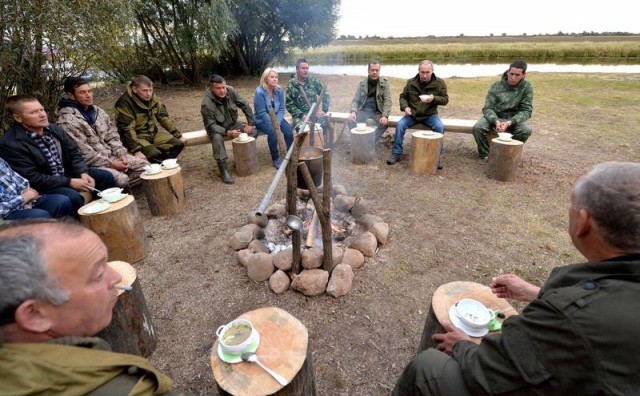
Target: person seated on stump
[[96, 135], [420, 110], [269, 95], [303, 90], [57, 293], [219, 111], [44, 155], [579, 333], [19, 201], [138, 113], [372, 100], [507, 107]]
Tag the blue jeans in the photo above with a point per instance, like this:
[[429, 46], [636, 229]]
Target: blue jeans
[[46, 206], [406, 122], [104, 179], [272, 140]]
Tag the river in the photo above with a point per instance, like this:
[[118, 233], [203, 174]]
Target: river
[[463, 70]]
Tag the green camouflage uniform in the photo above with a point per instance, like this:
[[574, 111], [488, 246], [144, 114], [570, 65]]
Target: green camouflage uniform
[[76, 366], [579, 337], [296, 103], [136, 122], [505, 103]]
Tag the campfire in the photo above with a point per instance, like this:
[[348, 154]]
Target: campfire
[[312, 242]]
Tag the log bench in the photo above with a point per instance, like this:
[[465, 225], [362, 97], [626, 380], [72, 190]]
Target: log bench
[[450, 124]]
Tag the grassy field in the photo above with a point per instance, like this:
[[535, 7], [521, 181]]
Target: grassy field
[[537, 48]]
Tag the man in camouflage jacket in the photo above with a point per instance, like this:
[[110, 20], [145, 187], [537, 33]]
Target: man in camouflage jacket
[[96, 135], [579, 333], [507, 108], [139, 111], [302, 92]]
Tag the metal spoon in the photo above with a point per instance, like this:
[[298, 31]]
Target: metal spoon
[[252, 357], [294, 222]]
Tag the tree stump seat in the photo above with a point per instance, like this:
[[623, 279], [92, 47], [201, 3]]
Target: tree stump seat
[[425, 151], [363, 145], [130, 330], [504, 159], [120, 227], [164, 192], [246, 156], [450, 293], [283, 347]]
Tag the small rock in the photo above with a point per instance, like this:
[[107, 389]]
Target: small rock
[[336, 256], [311, 282], [312, 258], [256, 230], [344, 203], [360, 208], [341, 280], [368, 220], [258, 247], [366, 243], [276, 211], [339, 189], [283, 259], [381, 231], [260, 267], [243, 256], [241, 239], [261, 221], [354, 258], [279, 282]]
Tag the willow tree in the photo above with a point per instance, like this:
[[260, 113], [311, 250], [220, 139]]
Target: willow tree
[[45, 41], [183, 35], [269, 29]]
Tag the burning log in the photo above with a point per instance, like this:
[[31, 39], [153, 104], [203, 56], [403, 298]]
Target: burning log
[[313, 226]]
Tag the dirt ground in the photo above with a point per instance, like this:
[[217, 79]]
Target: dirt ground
[[456, 225]]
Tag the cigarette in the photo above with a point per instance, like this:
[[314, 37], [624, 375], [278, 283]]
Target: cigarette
[[125, 288]]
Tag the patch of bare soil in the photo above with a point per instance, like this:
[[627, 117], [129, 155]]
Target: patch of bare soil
[[456, 225]]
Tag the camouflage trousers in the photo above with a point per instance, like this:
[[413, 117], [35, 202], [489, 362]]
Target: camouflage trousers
[[132, 176], [520, 132]]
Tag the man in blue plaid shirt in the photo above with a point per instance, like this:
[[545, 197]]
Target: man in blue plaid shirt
[[19, 201]]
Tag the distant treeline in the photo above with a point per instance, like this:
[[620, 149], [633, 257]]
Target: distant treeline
[[561, 34], [532, 48]]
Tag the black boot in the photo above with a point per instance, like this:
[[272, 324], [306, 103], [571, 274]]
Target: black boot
[[224, 173]]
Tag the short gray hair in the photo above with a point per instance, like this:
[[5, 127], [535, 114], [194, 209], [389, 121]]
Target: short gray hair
[[610, 192], [426, 61], [23, 276]]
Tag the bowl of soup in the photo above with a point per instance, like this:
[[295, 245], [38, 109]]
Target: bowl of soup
[[235, 336], [473, 313]]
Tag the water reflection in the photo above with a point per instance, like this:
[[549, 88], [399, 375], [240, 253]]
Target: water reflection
[[464, 70]]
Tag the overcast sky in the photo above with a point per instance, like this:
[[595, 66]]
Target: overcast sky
[[405, 18]]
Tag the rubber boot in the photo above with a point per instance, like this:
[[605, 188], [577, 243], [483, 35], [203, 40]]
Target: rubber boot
[[224, 173]]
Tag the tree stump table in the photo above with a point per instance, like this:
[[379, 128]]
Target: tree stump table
[[504, 159], [120, 227], [246, 156], [450, 293], [130, 330], [164, 192], [425, 151], [284, 348], [363, 145]]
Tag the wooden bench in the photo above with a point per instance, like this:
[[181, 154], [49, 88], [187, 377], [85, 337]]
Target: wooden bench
[[450, 124]]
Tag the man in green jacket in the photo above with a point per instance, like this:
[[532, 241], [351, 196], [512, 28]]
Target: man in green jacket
[[57, 292], [138, 113], [508, 106], [219, 111], [419, 101], [579, 333], [372, 100], [302, 92]]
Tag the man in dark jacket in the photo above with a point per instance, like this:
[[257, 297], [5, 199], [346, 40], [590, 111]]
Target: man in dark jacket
[[57, 293], [419, 101], [219, 111], [579, 333], [139, 113], [44, 155], [507, 108]]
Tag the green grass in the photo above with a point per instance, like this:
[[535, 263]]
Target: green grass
[[458, 50]]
